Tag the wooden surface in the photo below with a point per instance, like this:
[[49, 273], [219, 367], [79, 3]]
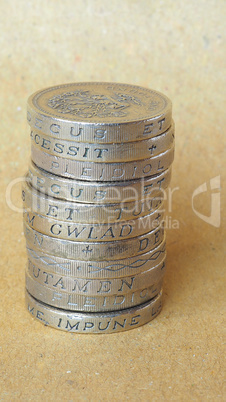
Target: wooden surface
[[172, 46]]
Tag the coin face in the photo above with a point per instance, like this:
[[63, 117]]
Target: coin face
[[100, 102]]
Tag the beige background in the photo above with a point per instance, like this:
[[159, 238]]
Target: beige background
[[176, 47]]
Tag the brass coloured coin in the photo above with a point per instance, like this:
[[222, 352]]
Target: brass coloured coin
[[99, 112], [99, 323]]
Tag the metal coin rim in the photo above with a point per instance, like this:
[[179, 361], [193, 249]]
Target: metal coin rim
[[97, 232], [43, 204], [98, 269], [107, 153], [97, 192], [92, 303], [100, 287], [67, 320], [104, 172], [101, 250]]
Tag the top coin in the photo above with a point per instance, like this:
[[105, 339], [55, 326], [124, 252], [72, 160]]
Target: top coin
[[99, 112]]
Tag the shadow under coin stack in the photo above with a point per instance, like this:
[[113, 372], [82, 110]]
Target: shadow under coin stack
[[93, 205]]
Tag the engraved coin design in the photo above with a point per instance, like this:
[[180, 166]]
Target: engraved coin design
[[94, 269], [86, 302], [99, 112], [86, 152], [97, 101], [95, 287], [93, 232], [93, 205], [102, 323], [37, 202], [87, 104], [92, 171]]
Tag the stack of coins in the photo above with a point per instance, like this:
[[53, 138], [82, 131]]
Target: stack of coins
[[101, 156]]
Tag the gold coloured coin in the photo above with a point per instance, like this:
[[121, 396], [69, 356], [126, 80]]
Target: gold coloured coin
[[89, 303], [97, 192], [99, 323], [95, 251], [108, 153], [99, 112], [69, 211], [94, 231], [95, 269], [94, 287], [104, 172]]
